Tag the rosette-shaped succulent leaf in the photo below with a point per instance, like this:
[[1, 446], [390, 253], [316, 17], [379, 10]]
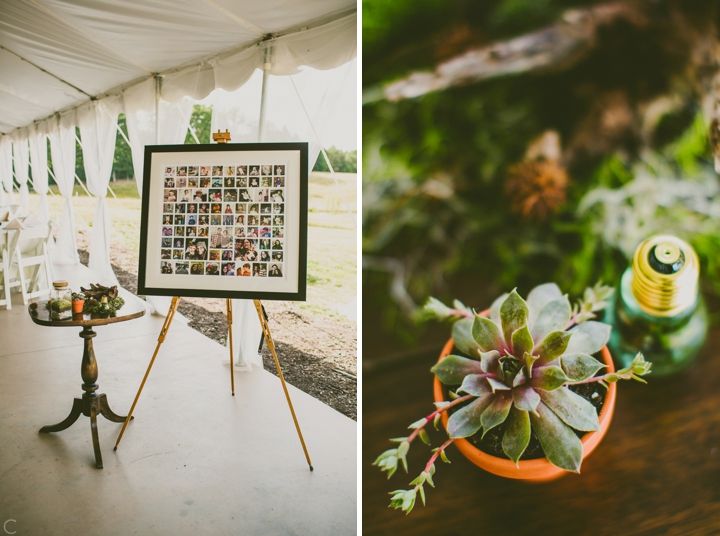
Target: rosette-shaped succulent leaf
[[522, 356]]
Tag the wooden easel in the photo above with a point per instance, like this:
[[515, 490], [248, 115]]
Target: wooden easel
[[222, 137], [271, 345]]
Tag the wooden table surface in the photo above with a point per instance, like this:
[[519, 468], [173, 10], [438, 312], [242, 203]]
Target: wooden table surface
[[656, 472], [131, 309]]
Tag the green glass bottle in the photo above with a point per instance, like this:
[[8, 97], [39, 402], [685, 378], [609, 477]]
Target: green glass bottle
[[657, 308]]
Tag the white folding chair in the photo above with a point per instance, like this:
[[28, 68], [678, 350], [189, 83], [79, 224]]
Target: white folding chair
[[5, 266], [7, 212], [31, 259]]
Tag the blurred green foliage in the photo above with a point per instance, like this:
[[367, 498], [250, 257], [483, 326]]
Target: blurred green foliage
[[435, 167]]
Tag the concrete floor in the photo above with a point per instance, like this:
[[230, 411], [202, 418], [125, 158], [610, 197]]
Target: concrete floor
[[195, 460]]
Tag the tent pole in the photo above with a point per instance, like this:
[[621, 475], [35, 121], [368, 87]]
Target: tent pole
[[158, 86], [263, 93]]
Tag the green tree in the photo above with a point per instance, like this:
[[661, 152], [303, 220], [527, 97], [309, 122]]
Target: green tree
[[342, 162], [200, 121], [122, 162]]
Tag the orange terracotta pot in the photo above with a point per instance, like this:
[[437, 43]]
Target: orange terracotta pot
[[77, 306], [541, 469]]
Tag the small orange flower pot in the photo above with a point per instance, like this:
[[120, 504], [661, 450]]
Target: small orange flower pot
[[539, 470], [77, 306]]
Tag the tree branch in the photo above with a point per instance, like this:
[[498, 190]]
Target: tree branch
[[560, 45]]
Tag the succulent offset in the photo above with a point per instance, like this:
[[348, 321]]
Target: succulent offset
[[521, 358]]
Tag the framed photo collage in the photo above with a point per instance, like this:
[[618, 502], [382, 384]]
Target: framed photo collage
[[225, 220]]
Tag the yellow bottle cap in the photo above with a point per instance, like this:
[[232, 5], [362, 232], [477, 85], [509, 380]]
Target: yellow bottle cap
[[665, 275]]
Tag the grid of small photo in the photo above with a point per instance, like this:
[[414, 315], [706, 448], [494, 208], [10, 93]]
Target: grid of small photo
[[224, 220]]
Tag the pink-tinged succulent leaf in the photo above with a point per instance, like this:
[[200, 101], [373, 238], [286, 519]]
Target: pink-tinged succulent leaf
[[466, 421], [554, 316], [588, 338], [561, 445], [490, 362], [495, 308], [573, 409], [496, 412], [453, 369], [525, 398], [548, 378], [521, 341], [513, 315], [552, 346], [463, 338], [539, 297], [520, 379], [487, 334], [475, 384], [517, 434], [529, 362], [579, 367], [497, 385]]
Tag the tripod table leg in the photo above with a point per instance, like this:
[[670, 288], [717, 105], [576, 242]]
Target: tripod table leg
[[96, 440], [105, 410], [75, 413]]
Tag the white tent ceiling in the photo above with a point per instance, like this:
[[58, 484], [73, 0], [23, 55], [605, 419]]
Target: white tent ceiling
[[57, 54]]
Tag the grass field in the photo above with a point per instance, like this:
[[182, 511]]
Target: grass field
[[332, 238]]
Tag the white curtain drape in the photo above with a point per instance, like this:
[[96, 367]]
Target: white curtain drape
[[62, 150], [6, 192], [172, 127], [39, 163], [21, 161], [140, 113], [97, 121]]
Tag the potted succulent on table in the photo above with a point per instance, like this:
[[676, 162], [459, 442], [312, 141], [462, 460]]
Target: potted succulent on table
[[78, 302], [527, 400]]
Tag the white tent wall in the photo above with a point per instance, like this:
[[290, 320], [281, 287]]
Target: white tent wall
[[98, 121], [38, 161], [6, 175], [21, 165], [62, 149]]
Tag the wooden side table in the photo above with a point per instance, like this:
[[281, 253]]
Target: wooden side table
[[91, 404]]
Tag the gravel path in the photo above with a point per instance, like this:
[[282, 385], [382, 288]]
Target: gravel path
[[317, 353]]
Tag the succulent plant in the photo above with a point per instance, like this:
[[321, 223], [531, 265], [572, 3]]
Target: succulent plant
[[522, 355]]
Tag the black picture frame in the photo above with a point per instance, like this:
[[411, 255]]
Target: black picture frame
[[288, 194]]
